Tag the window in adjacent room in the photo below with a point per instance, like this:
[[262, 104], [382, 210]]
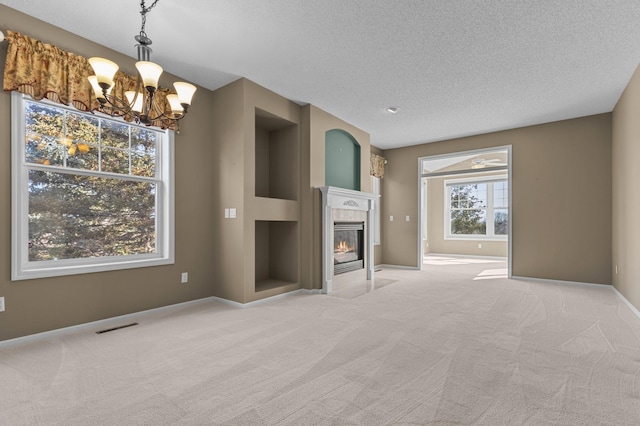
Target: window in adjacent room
[[477, 209], [90, 192]]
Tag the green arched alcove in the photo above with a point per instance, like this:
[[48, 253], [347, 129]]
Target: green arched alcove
[[342, 160]]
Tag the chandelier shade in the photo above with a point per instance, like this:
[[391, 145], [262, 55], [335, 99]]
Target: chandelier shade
[[105, 70], [150, 73], [185, 91]]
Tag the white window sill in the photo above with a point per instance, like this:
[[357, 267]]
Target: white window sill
[[475, 238]]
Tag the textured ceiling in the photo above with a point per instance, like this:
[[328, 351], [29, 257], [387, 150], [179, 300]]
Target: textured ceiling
[[454, 68]]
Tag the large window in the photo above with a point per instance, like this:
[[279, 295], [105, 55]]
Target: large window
[[90, 193], [477, 209]]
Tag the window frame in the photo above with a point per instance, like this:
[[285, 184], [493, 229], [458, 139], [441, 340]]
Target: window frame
[[489, 210], [21, 267], [376, 186]]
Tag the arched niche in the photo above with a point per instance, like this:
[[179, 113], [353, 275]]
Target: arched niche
[[342, 160]]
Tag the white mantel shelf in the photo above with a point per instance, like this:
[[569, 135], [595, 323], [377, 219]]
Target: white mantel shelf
[[344, 199]]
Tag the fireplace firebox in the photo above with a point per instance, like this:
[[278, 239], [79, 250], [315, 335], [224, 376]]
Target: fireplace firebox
[[348, 247]]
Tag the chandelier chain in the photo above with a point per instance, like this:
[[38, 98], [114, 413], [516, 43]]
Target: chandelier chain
[[144, 10]]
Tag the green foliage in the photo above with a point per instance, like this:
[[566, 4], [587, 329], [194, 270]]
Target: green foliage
[[466, 216], [75, 215], [501, 223]]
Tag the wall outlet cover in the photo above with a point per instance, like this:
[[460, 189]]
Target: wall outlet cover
[[185, 277], [1, 304]]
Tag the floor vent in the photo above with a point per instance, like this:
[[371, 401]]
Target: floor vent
[[116, 328]]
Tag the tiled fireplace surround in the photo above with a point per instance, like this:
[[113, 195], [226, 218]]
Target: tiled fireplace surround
[[345, 205]]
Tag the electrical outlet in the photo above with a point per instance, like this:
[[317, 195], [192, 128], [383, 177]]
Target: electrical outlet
[[1, 304], [185, 277], [407, 219], [390, 218], [479, 245]]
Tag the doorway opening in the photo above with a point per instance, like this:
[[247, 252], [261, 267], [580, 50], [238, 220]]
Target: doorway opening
[[465, 205]]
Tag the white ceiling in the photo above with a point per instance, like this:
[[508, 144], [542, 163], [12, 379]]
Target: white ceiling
[[453, 67]]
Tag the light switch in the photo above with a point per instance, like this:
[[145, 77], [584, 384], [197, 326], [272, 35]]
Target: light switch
[[407, 218], [226, 213], [232, 213], [390, 218]]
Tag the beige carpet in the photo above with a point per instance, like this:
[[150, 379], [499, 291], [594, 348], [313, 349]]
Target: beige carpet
[[456, 344]]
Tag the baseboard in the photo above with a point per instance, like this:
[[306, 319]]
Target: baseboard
[[549, 281], [119, 320], [400, 267], [576, 283], [626, 302], [265, 300], [100, 324], [467, 256]]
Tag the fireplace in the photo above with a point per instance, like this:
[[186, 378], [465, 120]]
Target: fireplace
[[348, 247], [351, 208]]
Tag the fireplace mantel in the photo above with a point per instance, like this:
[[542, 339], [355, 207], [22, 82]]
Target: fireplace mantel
[[344, 199]]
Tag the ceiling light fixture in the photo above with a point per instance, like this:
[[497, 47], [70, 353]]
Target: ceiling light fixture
[[392, 109], [140, 102]]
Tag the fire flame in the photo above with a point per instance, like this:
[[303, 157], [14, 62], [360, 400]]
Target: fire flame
[[342, 247]]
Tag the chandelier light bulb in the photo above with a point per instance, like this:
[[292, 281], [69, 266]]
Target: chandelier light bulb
[[185, 92], [176, 108], [97, 89], [150, 73], [104, 70]]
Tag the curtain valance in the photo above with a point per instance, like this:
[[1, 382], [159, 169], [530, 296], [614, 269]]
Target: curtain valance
[[42, 70], [377, 165]]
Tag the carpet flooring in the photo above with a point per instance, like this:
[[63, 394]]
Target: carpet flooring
[[457, 343]]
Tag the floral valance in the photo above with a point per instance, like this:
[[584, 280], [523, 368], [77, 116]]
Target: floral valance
[[42, 70], [377, 165]]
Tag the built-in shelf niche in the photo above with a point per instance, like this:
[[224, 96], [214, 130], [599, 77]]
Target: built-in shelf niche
[[276, 141], [276, 254]]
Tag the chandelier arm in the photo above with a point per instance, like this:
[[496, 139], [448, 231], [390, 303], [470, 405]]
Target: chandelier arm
[[164, 116]]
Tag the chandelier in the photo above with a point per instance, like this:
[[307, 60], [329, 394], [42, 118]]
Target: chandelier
[[139, 103]]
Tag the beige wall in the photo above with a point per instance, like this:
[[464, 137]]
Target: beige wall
[[238, 146], [626, 181], [561, 198], [34, 306], [436, 242]]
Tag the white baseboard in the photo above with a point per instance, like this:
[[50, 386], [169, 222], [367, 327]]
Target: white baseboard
[[576, 283], [466, 256], [265, 300], [387, 266], [626, 302], [119, 320], [100, 324], [549, 281]]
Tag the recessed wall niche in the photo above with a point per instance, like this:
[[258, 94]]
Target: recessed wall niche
[[276, 254], [276, 141], [342, 160]]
